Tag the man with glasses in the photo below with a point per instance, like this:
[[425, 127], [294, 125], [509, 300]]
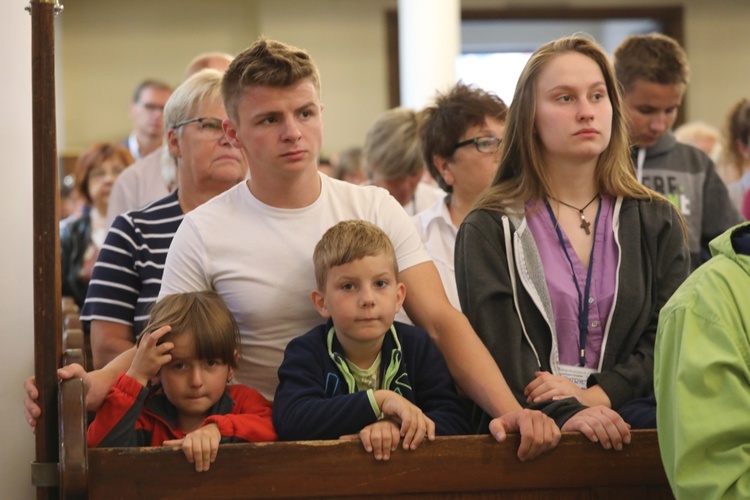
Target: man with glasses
[[153, 177], [460, 144], [147, 115]]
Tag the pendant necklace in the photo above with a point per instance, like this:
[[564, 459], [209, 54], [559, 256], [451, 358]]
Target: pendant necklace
[[585, 225]]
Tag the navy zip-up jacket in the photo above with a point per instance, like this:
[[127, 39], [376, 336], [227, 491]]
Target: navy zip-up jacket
[[313, 401]]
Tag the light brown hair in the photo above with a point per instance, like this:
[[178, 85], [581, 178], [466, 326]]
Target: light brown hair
[[655, 58], [205, 316], [522, 175], [93, 157], [346, 242], [349, 164], [150, 83], [737, 132], [266, 62]]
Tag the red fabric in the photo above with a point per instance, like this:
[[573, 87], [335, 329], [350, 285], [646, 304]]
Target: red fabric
[[248, 420]]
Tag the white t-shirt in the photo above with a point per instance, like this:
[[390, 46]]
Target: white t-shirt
[[259, 259]]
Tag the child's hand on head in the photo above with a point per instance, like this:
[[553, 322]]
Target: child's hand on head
[[200, 446], [150, 357], [415, 425], [380, 438]]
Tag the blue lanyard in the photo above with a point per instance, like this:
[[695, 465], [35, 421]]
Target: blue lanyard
[[583, 302]]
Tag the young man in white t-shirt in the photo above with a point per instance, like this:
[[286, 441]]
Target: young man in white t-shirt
[[253, 244]]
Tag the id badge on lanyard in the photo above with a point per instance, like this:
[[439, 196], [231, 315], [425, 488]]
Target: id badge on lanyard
[[576, 374]]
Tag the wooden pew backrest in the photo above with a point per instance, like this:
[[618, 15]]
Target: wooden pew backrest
[[450, 467]]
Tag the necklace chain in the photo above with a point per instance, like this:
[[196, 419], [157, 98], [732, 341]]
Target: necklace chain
[[585, 225]]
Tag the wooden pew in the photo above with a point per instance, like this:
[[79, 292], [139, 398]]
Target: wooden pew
[[450, 467], [73, 335]]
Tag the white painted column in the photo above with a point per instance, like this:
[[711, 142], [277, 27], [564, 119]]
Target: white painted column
[[16, 264], [429, 41]]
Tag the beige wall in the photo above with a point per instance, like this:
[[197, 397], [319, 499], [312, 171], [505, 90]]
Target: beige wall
[[16, 267], [347, 40], [107, 47], [716, 33]]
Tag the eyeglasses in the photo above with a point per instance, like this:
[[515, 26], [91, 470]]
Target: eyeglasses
[[151, 108], [486, 144], [211, 128]]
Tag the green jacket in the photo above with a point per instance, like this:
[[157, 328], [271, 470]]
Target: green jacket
[[702, 375]]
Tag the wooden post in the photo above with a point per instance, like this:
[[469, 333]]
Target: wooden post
[[47, 314]]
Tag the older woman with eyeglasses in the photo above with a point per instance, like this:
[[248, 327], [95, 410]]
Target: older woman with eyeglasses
[[82, 236], [460, 140], [127, 276]]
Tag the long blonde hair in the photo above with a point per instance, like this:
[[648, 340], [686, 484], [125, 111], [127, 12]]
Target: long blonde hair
[[522, 175]]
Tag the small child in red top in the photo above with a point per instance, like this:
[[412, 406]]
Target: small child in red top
[[186, 355]]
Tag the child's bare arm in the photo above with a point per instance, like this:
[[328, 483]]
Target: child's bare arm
[[415, 425], [150, 357], [200, 446], [97, 383]]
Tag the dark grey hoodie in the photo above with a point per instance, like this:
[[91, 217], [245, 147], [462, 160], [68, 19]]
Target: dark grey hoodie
[[687, 177]]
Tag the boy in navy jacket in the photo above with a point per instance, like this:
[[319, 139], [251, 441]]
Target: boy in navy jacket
[[361, 372]]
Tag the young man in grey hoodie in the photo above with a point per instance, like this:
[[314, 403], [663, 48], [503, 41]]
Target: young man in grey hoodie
[[653, 73]]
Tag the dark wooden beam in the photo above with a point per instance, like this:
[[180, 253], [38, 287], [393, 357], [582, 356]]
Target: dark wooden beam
[[46, 247]]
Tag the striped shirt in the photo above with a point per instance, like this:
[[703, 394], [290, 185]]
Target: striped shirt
[[127, 275]]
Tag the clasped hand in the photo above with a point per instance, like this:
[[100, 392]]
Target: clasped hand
[[404, 421], [599, 423], [547, 387]]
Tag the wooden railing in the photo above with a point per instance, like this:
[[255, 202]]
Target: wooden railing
[[449, 467]]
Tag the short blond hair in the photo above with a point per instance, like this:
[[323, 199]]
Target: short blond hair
[[392, 145], [205, 316], [348, 241], [266, 62], [203, 87]]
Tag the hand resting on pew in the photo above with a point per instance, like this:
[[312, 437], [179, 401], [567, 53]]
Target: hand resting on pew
[[97, 384]]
